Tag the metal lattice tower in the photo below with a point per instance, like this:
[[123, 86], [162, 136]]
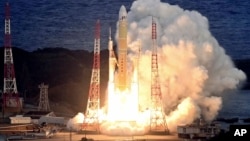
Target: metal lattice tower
[[91, 115], [157, 115], [43, 99], [11, 100]]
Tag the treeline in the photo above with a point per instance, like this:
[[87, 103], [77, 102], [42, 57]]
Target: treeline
[[67, 72]]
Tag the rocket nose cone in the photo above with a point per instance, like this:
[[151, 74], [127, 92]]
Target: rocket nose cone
[[122, 12]]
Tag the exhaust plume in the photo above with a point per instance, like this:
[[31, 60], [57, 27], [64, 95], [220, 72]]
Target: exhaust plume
[[75, 122], [194, 69]]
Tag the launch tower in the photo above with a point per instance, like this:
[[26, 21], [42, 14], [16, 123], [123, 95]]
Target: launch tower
[[91, 119], [157, 116], [11, 100], [43, 100]]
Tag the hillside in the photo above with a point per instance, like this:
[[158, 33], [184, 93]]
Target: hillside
[[67, 72]]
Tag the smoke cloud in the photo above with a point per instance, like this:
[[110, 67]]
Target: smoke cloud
[[194, 69], [75, 122]]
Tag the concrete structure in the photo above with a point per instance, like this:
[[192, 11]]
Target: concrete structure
[[198, 130], [36, 115], [61, 136], [61, 121], [19, 119]]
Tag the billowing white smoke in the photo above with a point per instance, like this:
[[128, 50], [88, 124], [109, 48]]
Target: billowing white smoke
[[191, 61], [75, 122]]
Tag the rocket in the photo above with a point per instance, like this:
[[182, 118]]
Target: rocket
[[122, 49], [123, 86], [112, 59]]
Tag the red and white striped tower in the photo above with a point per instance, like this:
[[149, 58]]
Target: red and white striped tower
[[91, 120], [157, 116], [11, 100]]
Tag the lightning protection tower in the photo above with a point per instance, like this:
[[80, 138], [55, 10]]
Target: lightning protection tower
[[11, 100], [157, 116], [43, 99], [91, 120]]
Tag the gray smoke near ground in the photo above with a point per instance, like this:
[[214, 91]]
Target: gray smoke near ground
[[194, 69], [74, 123]]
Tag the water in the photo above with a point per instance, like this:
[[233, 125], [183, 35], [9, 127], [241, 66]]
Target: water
[[70, 23], [236, 104]]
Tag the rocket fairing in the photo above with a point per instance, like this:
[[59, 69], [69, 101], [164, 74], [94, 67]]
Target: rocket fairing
[[122, 49]]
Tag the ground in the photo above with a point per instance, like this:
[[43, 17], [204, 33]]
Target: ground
[[67, 136]]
